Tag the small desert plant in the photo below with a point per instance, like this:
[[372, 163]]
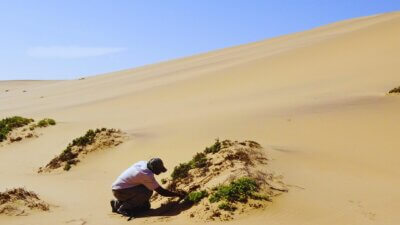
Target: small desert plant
[[3, 135], [70, 155], [199, 160], [395, 90], [214, 148], [67, 167], [8, 124], [87, 139], [51, 121], [67, 154], [46, 122], [241, 156], [196, 196], [227, 206], [32, 127], [42, 123], [263, 197], [181, 171], [237, 191]]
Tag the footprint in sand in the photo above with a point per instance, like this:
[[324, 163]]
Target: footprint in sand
[[368, 214], [76, 222]]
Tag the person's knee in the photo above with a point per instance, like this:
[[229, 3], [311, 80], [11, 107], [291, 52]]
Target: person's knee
[[117, 195], [149, 194], [146, 192], [146, 206]]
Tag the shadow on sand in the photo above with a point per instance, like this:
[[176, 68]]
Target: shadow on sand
[[172, 208]]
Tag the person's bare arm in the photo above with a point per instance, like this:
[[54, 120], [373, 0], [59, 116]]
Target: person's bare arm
[[166, 193]]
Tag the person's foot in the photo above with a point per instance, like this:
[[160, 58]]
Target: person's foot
[[146, 206], [123, 212], [113, 204]]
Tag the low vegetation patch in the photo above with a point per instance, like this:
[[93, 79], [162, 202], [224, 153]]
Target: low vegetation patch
[[199, 160], [213, 148], [92, 140], [239, 190], [19, 201], [46, 122], [227, 206], [16, 128], [182, 171], [10, 123], [196, 196], [395, 90], [226, 179]]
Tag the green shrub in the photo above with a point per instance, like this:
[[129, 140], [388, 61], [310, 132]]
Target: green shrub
[[32, 127], [67, 167], [196, 196], [42, 123], [199, 160], [395, 90], [3, 136], [163, 181], [214, 148], [181, 171], [46, 122], [237, 191], [87, 139], [257, 196], [51, 122], [10, 123], [227, 206], [70, 162], [15, 122], [67, 154]]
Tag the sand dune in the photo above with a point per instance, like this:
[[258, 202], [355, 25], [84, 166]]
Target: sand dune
[[316, 100]]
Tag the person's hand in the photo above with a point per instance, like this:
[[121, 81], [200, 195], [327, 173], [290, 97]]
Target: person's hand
[[181, 195]]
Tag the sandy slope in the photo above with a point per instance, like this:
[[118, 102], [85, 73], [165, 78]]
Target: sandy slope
[[315, 100]]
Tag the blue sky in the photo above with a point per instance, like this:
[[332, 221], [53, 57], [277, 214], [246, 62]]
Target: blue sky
[[55, 39]]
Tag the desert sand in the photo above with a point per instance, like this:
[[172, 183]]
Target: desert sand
[[315, 100]]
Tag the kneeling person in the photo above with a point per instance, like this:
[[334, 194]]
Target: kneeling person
[[134, 187]]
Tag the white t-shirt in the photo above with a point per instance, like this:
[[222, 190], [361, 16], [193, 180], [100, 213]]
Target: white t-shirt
[[135, 175]]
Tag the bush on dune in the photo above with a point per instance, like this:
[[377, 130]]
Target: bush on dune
[[198, 161], [10, 123], [227, 206], [395, 90], [225, 179], [86, 139], [70, 157], [196, 196], [46, 122], [182, 171], [239, 190], [79, 146], [213, 148]]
